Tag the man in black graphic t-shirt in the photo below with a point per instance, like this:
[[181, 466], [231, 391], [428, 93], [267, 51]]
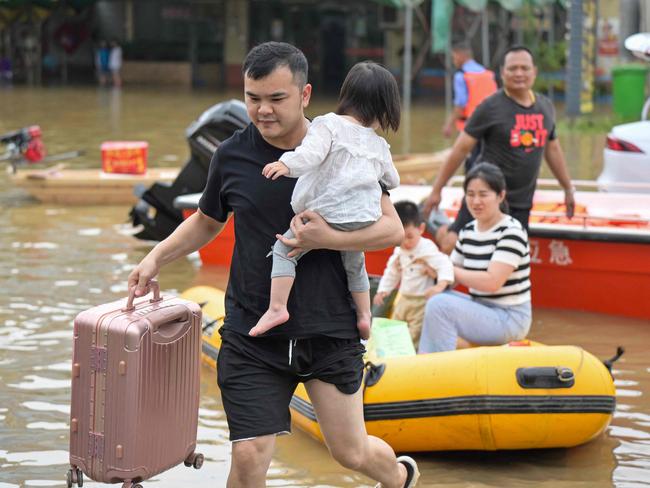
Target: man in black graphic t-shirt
[[517, 129], [319, 345]]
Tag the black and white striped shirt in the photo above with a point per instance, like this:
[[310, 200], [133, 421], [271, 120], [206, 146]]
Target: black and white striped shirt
[[506, 242]]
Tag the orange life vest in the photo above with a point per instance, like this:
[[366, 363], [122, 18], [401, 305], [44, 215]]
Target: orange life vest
[[479, 87]]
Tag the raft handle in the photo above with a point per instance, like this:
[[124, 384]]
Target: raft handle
[[620, 350], [545, 377]]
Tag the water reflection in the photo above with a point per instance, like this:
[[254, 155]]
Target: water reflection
[[56, 261]]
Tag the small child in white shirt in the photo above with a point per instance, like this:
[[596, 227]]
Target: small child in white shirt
[[410, 266], [339, 165]]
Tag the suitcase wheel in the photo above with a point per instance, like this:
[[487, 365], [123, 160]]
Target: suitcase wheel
[[74, 476], [195, 460], [130, 484]]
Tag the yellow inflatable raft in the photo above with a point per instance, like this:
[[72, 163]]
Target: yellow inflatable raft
[[519, 396]]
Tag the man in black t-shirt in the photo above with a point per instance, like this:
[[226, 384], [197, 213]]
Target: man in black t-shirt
[[319, 345], [517, 128]]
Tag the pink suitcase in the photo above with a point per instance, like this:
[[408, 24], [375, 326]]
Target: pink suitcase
[[135, 389]]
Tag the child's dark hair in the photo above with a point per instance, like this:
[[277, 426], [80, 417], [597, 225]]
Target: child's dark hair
[[492, 176], [263, 59], [370, 93], [408, 212]]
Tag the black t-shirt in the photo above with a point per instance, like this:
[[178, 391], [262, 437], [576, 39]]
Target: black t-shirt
[[320, 303], [514, 138]]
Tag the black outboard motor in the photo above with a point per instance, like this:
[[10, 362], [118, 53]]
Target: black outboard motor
[[155, 211], [21, 146]]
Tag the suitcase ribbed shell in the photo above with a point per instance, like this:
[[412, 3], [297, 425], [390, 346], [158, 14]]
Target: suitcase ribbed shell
[[135, 388]]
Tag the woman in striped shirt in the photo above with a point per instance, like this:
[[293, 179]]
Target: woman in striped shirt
[[492, 259]]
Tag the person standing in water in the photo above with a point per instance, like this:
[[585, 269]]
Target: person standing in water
[[517, 129], [319, 344]]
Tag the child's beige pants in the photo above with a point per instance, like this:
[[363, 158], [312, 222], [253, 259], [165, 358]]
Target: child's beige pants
[[410, 309]]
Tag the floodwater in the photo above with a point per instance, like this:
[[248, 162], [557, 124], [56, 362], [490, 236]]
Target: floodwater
[[56, 261]]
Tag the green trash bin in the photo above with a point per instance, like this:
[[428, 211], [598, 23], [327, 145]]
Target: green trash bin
[[629, 84]]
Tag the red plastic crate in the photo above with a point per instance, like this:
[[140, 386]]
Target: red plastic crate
[[125, 157]]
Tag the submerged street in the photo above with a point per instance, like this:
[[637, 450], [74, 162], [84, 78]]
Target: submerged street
[[56, 261]]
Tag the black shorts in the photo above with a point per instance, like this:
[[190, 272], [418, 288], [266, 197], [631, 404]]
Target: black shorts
[[258, 375], [464, 217]]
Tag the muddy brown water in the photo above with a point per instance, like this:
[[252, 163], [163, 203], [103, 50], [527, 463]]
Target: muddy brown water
[[56, 261]]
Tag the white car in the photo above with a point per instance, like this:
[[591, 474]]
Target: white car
[[626, 159], [639, 44]]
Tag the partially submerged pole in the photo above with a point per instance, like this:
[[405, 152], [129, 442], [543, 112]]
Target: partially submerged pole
[[406, 77], [485, 37]]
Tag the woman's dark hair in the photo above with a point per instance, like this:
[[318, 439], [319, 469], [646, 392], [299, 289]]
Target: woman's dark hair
[[370, 93], [408, 213], [263, 59], [492, 176]]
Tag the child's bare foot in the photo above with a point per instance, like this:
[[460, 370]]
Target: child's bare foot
[[364, 323], [273, 317]]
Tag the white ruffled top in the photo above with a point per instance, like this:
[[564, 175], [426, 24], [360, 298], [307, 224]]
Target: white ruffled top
[[339, 166]]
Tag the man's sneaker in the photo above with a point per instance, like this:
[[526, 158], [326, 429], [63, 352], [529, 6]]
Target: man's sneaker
[[412, 472]]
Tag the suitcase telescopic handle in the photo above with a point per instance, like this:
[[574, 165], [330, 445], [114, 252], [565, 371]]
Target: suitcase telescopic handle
[[155, 287]]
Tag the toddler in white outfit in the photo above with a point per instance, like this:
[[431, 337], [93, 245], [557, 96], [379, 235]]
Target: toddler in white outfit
[[341, 166], [411, 267]]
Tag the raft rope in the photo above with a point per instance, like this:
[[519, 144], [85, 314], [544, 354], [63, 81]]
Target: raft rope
[[620, 350]]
